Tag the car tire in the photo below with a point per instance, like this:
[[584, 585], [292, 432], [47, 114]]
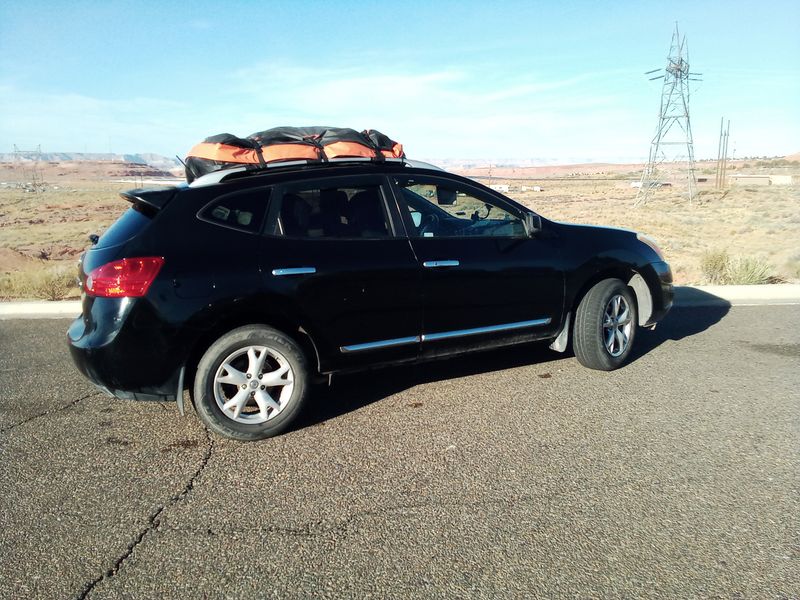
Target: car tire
[[605, 325], [251, 383]]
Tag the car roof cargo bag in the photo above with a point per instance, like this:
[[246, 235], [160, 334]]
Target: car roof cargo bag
[[281, 144], [218, 152], [340, 142], [388, 147]]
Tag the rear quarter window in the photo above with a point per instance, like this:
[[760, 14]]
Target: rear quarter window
[[244, 211], [132, 222]]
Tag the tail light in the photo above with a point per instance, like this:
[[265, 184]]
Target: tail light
[[128, 277]]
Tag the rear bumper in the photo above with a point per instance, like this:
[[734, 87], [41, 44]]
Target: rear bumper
[[116, 348], [94, 366]]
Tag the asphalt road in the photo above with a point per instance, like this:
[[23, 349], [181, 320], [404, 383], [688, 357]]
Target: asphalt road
[[513, 474]]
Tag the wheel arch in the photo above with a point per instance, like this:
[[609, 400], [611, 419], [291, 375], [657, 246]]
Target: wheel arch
[[287, 325], [632, 278]]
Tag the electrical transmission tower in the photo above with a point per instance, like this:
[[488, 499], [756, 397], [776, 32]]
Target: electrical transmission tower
[[674, 132], [26, 164]]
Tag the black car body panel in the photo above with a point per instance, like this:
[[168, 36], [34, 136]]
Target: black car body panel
[[352, 302]]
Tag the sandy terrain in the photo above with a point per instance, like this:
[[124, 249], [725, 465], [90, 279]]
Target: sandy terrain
[[49, 228], [760, 222]]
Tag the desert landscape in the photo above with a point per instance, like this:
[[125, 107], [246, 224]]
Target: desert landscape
[[752, 228]]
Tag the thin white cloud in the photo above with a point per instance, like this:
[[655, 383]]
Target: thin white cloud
[[449, 112], [437, 112]]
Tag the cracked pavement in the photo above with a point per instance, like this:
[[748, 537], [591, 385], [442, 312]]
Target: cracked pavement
[[514, 473]]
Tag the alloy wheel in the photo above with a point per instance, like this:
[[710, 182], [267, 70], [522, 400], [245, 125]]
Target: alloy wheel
[[617, 325], [253, 384]]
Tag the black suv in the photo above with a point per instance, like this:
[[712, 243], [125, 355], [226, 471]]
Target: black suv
[[246, 286]]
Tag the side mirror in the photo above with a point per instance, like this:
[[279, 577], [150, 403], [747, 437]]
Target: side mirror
[[533, 223]]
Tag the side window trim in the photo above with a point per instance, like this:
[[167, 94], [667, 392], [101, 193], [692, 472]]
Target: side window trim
[[399, 215], [272, 226]]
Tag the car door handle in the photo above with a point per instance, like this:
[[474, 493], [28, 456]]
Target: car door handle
[[435, 264], [294, 271]]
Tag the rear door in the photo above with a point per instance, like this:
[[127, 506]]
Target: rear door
[[337, 251]]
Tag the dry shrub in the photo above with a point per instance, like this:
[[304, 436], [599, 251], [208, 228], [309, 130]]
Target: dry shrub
[[14, 285], [719, 268], [714, 265], [50, 284], [793, 266], [55, 284], [747, 270]]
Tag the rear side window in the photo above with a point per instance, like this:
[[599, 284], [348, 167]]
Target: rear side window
[[126, 227], [334, 212], [242, 210]]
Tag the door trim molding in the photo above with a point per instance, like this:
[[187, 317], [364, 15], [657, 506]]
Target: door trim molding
[[432, 337], [414, 339], [294, 271]]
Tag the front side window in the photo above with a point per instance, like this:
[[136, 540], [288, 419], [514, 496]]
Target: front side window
[[443, 209], [242, 210], [334, 212]]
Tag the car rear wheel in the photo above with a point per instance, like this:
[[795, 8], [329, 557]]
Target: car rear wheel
[[251, 383], [605, 325]]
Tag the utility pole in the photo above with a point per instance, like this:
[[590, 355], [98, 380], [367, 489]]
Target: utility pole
[[725, 155], [722, 154], [674, 130]]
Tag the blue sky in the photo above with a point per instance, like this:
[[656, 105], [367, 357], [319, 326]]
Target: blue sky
[[527, 80]]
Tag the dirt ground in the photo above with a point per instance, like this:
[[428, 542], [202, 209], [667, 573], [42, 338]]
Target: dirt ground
[[48, 228], [757, 222]]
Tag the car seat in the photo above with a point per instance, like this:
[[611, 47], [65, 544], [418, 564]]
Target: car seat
[[295, 213], [366, 216]]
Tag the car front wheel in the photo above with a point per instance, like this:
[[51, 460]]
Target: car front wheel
[[251, 383], [605, 325]]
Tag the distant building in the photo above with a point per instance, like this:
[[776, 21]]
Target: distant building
[[744, 179], [500, 187], [781, 179], [655, 184]]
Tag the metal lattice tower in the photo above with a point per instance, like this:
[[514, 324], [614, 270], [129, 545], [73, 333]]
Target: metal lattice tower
[[26, 164], [674, 132]]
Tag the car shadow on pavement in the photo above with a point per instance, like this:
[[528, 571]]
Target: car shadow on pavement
[[681, 322], [351, 392]]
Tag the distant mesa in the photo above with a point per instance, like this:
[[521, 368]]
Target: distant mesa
[[156, 161]]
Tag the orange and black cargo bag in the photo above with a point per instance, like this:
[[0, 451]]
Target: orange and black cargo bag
[[280, 144]]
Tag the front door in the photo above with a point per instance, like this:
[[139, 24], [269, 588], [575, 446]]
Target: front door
[[485, 281]]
